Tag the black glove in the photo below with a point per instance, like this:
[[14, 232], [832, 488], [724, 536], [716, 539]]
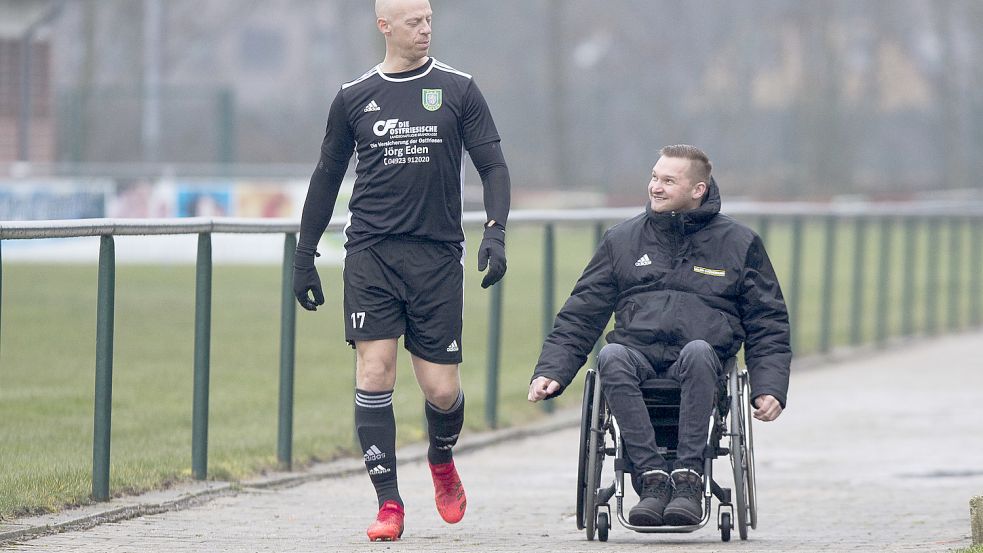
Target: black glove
[[306, 280], [492, 249]]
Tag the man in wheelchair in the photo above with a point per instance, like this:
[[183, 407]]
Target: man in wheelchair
[[687, 286]]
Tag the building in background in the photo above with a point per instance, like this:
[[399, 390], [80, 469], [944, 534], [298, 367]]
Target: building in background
[[27, 121], [791, 99]]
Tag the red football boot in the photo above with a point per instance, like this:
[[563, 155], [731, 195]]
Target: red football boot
[[448, 492], [388, 524]]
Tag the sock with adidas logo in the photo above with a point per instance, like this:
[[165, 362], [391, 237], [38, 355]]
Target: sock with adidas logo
[[375, 424], [444, 426]]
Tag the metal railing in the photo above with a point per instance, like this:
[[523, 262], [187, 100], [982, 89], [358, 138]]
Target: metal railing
[[964, 221], [106, 229]]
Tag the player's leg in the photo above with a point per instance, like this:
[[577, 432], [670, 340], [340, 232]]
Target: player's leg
[[375, 379], [444, 407], [441, 386], [435, 303], [375, 423], [374, 319]]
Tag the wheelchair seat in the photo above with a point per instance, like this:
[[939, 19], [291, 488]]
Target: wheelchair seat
[[662, 398]]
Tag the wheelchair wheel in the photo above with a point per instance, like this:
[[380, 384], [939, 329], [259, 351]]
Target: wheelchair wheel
[[725, 525], [585, 425], [739, 449], [752, 486], [594, 460], [603, 525]]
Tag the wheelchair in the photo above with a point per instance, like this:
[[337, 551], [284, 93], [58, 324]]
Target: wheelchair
[[730, 435]]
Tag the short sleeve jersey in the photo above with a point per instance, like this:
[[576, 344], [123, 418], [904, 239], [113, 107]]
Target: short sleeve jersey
[[409, 132]]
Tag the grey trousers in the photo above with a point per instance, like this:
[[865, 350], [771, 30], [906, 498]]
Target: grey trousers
[[622, 369]]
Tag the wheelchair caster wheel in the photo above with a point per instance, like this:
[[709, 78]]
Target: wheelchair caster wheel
[[725, 526], [602, 526]]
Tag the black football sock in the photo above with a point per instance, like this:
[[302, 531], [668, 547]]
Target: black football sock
[[376, 427], [444, 427]]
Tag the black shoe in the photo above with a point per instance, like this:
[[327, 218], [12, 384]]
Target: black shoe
[[686, 507], [656, 489]]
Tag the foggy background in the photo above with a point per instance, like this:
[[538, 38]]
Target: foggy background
[[791, 99]]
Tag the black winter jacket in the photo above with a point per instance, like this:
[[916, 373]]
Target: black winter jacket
[[669, 279]]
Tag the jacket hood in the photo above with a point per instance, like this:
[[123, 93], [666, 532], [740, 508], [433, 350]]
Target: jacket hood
[[688, 222]]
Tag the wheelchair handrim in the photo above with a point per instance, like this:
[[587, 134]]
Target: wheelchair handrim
[[738, 457], [752, 491], [585, 422]]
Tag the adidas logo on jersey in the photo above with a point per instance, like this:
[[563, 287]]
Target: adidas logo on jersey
[[371, 106], [453, 347], [373, 454], [643, 261], [379, 469]]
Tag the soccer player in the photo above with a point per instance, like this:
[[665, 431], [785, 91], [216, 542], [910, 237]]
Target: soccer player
[[409, 120]]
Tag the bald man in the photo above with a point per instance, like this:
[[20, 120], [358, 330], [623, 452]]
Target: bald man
[[410, 120]]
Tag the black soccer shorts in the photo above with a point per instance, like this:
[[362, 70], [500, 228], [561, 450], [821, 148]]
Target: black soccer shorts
[[406, 287]]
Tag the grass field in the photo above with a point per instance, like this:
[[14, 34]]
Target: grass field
[[47, 356]]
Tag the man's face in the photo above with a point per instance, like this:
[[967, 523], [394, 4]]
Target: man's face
[[407, 26], [672, 188]]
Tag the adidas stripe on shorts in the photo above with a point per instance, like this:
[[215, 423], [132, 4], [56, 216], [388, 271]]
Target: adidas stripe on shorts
[[407, 287]]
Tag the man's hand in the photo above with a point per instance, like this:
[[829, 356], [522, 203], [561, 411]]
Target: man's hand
[[542, 388], [768, 408], [306, 281], [491, 254]]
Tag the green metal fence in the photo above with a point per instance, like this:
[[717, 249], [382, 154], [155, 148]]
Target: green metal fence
[[937, 249], [204, 228]]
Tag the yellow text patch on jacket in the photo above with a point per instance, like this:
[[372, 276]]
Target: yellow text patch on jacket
[[711, 272]]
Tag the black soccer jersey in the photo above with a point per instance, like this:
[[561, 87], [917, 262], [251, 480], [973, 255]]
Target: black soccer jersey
[[409, 131]]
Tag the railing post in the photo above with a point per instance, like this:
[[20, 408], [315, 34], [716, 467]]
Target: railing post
[[288, 323], [955, 270], [856, 308], [102, 423], [494, 344], [203, 325], [975, 267], [355, 439], [795, 294], [549, 278], [598, 236], [827, 285], [932, 277], [908, 267], [764, 226], [883, 280]]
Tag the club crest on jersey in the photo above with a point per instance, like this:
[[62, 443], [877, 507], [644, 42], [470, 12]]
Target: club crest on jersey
[[433, 98]]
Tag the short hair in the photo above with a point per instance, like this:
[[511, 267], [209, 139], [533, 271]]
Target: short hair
[[700, 166]]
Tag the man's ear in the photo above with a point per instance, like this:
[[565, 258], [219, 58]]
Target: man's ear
[[699, 189], [383, 25]]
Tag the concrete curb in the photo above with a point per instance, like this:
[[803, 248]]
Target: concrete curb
[[192, 494], [976, 519], [86, 517]]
